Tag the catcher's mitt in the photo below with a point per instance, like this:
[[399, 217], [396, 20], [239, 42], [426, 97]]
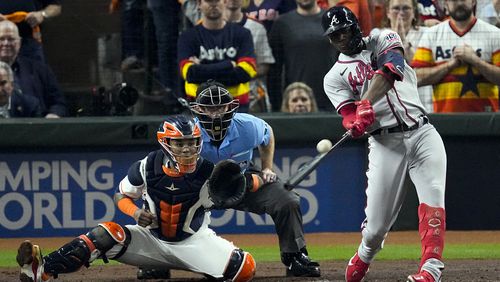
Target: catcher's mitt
[[226, 185]]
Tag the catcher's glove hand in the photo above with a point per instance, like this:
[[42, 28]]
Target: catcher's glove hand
[[226, 185]]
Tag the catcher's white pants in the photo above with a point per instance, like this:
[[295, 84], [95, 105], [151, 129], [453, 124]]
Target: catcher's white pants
[[421, 155], [203, 252]]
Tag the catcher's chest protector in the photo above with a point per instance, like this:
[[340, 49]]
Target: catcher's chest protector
[[174, 197]]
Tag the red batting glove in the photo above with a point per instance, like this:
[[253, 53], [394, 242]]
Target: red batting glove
[[364, 118], [364, 113], [357, 129], [348, 121], [357, 117]]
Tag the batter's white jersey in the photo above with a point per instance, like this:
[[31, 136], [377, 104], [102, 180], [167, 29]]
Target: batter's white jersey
[[349, 79], [393, 155]]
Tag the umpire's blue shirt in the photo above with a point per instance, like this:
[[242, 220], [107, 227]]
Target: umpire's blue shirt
[[245, 133]]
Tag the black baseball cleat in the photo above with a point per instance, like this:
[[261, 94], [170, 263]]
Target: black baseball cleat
[[153, 273], [300, 265]]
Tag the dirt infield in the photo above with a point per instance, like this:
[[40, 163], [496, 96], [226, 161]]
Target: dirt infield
[[456, 270]]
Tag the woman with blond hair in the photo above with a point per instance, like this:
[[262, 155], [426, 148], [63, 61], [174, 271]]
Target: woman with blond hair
[[298, 98]]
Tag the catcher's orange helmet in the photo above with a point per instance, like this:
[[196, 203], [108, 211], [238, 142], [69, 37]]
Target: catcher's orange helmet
[[180, 140]]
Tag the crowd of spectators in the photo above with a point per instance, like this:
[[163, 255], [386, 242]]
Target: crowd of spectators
[[271, 54], [21, 49]]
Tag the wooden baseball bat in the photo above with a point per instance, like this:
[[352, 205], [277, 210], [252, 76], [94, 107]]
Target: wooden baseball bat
[[308, 167]]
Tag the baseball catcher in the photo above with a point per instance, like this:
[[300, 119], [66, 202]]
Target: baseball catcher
[[174, 182]]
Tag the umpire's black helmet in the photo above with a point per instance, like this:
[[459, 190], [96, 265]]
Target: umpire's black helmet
[[340, 17], [215, 108]]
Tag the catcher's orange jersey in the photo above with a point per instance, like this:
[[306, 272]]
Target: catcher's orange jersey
[[463, 89]]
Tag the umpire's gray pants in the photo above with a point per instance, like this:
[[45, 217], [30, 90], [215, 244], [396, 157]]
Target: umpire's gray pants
[[284, 208]]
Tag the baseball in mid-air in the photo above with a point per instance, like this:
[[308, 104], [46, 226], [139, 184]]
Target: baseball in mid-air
[[324, 146]]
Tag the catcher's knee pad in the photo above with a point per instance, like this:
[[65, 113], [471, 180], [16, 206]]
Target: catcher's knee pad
[[84, 249], [431, 227], [241, 267]]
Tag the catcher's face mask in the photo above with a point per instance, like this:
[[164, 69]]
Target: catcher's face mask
[[180, 139], [185, 152]]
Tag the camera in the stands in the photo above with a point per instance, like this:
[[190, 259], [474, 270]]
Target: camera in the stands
[[116, 101]]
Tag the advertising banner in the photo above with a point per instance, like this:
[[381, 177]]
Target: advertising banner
[[66, 194]]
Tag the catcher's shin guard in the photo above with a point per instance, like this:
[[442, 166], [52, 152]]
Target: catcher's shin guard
[[431, 227], [85, 248], [241, 267]]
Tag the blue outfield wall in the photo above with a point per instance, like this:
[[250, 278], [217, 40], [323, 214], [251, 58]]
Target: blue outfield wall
[[45, 194]]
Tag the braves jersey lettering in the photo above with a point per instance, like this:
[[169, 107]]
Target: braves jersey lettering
[[401, 104], [391, 37], [217, 54], [363, 72]]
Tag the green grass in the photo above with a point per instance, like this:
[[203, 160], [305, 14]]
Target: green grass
[[390, 252], [340, 252]]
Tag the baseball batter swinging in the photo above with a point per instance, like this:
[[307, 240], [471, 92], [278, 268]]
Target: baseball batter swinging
[[375, 91], [172, 234]]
